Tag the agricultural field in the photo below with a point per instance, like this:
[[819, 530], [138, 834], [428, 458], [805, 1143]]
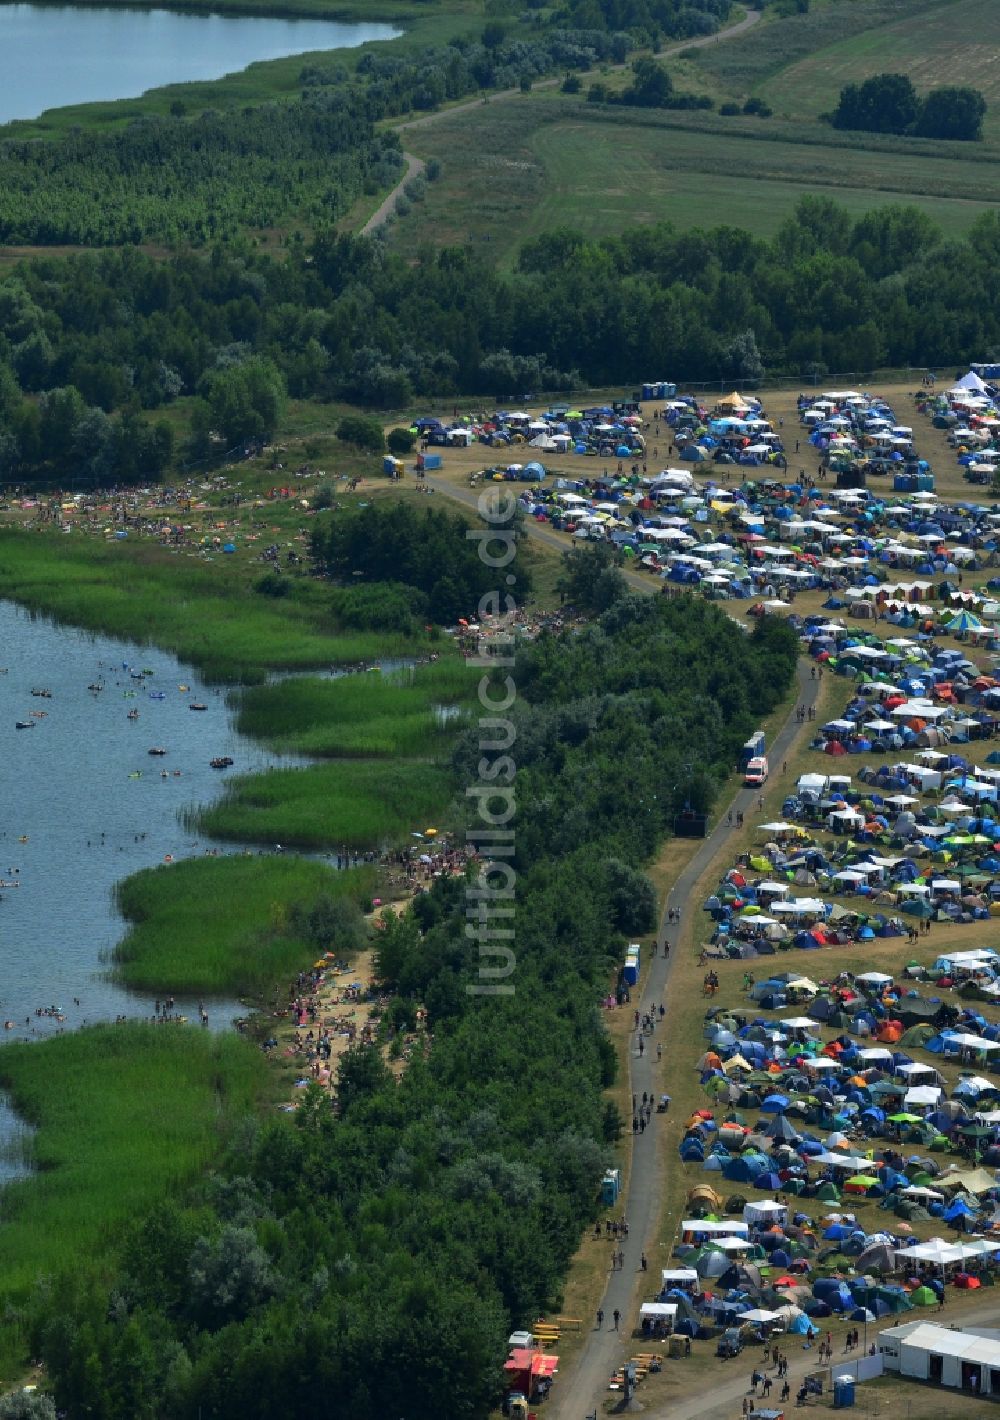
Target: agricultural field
[[948, 44], [512, 171], [777, 43]]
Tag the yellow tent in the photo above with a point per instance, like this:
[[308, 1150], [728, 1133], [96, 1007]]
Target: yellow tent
[[733, 401]]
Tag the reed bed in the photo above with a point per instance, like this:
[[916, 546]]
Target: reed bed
[[206, 614], [406, 712], [354, 803], [217, 926], [124, 1115]]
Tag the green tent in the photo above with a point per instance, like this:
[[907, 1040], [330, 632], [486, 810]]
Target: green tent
[[924, 1297]]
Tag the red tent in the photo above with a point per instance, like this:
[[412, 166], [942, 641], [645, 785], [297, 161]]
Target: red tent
[[524, 1369]]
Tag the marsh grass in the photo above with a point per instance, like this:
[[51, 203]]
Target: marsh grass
[[124, 1115], [356, 803], [408, 712], [224, 925], [207, 614]]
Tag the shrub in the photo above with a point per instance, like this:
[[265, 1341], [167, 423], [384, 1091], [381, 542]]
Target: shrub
[[571, 84], [400, 441], [433, 169], [758, 108], [728, 110], [364, 433]]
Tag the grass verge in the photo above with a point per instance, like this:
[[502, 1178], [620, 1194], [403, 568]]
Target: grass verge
[[224, 925]]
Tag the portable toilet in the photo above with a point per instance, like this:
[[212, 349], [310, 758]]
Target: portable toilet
[[632, 966], [611, 1186], [649, 391], [843, 1392], [431, 461]]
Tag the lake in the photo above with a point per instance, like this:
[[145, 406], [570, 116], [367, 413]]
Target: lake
[[58, 55], [83, 804]]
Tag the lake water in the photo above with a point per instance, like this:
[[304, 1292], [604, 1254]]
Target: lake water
[[54, 55], [74, 820]]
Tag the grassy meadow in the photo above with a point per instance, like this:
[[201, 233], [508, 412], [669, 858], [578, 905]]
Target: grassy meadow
[[512, 171], [206, 613], [951, 43], [224, 925], [138, 1111], [778, 42]]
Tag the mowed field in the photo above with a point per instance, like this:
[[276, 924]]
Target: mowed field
[[513, 170], [955, 43]]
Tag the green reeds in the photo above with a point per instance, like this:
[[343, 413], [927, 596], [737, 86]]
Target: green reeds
[[357, 803], [405, 712], [206, 613], [224, 925], [124, 1115]]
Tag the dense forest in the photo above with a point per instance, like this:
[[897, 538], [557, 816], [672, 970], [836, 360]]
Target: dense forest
[[346, 318], [385, 1254], [175, 179]]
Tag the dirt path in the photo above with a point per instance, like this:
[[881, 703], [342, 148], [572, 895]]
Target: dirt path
[[749, 19], [581, 1392], [377, 219]]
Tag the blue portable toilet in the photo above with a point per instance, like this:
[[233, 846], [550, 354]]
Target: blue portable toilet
[[843, 1392], [611, 1186]]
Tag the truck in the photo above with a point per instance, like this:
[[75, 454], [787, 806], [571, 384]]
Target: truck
[[755, 773]]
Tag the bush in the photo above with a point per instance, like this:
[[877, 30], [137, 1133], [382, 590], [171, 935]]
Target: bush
[[364, 433], [402, 205], [728, 110], [433, 169], [571, 84], [955, 113], [400, 441], [525, 83], [272, 584], [758, 108]]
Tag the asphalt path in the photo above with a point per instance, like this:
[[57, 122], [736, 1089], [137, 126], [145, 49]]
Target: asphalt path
[[581, 1391]]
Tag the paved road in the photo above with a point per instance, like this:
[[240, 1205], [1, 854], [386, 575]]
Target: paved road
[[750, 18], [582, 1390], [377, 219]]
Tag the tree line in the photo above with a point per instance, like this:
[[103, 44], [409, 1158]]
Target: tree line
[[347, 318], [376, 1254]]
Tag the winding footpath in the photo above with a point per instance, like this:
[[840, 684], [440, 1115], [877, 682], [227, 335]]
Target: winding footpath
[[416, 165], [582, 1390], [380, 216]]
